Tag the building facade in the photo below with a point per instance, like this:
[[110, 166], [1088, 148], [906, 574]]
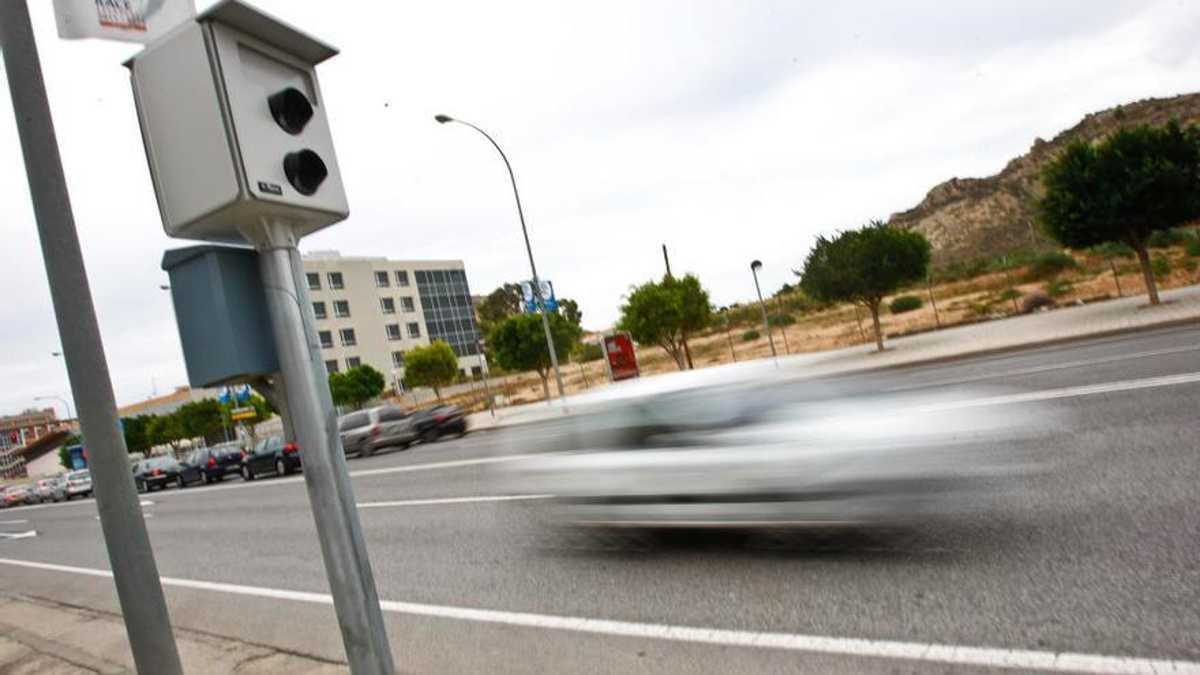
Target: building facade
[[16, 431], [372, 310]]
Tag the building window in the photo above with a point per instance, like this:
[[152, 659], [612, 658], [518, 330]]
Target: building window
[[326, 339], [387, 305], [353, 362], [397, 359], [446, 303], [314, 281], [319, 310], [407, 304], [335, 281], [401, 278], [393, 331], [331, 366], [414, 329], [341, 308], [347, 335], [381, 280]]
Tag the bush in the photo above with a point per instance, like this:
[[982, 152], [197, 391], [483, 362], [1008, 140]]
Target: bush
[[1057, 287], [1192, 247], [905, 303], [1050, 264], [589, 351], [1160, 266], [1035, 300], [1166, 238], [783, 320], [1191, 264], [750, 335]]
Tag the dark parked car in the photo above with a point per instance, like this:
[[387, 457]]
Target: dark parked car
[[439, 421], [365, 431], [271, 455], [209, 465], [157, 472]]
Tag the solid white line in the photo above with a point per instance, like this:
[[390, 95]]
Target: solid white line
[[853, 647], [18, 535], [1065, 392], [452, 464], [1033, 370], [13, 522], [452, 500]]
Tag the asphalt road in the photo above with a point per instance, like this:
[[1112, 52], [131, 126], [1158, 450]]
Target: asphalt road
[[1095, 553]]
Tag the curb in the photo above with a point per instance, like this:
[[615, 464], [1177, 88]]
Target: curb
[[1038, 344]]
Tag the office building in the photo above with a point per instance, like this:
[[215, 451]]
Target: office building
[[372, 310]]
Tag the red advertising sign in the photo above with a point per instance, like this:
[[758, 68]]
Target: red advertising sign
[[621, 356]]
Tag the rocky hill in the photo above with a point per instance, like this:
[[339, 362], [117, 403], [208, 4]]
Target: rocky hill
[[967, 218]]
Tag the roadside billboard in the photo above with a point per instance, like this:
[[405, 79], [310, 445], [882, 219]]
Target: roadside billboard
[[620, 356]]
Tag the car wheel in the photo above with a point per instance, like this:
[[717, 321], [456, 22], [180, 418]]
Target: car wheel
[[280, 467], [179, 482], [247, 474], [429, 435]]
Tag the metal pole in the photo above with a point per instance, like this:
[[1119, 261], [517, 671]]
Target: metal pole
[[309, 407], [135, 574], [929, 286], [783, 326], [537, 288], [766, 323], [487, 390]]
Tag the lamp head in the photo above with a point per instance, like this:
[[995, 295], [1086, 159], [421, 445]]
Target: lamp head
[[442, 119]]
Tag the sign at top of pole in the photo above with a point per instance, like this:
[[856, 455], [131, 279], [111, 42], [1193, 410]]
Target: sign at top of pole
[[123, 20]]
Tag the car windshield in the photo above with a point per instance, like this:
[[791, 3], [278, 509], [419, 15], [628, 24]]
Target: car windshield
[[79, 475]]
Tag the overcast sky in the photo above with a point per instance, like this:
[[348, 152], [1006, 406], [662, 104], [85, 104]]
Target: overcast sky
[[727, 130]]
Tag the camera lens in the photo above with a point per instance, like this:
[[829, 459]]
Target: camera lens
[[291, 109], [305, 170]]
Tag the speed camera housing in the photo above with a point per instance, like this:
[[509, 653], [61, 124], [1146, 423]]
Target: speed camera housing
[[235, 127]]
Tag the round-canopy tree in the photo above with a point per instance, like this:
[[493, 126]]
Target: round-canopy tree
[[665, 313], [432, 366], [519, 343], [1137, 181], [864, 265]]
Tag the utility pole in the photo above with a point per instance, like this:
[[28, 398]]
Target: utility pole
[[929, 287], [666, 260], [135, 574]]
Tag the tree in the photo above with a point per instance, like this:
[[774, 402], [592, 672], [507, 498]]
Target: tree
[[433, 366], [499, 305], [356, 386], [165, 430], [864, 265], [1123, 189], [519, 343], [665, 313], [570, 310], [137, 438], [200, 418]]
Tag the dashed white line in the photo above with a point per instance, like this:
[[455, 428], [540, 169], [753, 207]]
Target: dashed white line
[[452, 500], [13, 522], [1018, 659]]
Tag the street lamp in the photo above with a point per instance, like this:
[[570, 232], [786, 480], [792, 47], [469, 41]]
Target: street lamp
[[762, 305], [537, 288], [65, 402]]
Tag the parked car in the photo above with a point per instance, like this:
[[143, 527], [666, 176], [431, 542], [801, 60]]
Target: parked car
[[209, 465], [79, 484], [442, 420], [271, 455], [19, 495], [52, 489], [365, 431], [157, 472], [3, 497]]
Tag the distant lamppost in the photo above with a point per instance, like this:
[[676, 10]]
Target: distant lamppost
[[65, 402], [754, 266], [537, 288]]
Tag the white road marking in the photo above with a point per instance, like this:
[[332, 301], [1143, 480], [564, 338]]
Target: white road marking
[[145, 502], [13, 522], [452, 464], [1065, 392], [1019, 659], [452, 500], [18, 535], [1033, 370], [144, 515]]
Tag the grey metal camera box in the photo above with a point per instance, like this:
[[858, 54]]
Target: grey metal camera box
[[235, 127], [221, 311]]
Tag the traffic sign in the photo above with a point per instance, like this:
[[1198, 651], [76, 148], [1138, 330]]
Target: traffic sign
[[244, 413]]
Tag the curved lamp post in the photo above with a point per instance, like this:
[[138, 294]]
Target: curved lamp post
[[537, 288], [754, 266]]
